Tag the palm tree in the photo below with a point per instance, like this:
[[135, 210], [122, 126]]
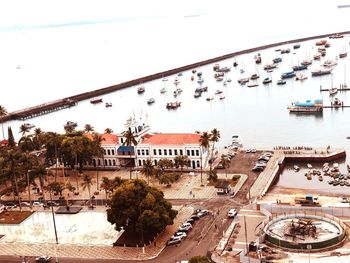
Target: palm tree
[[87, 182], [108, 130], [204, 144], [181, 161], [148, 169], [105, 185], [24, 129], [97, 151], [214, 137], [130, 139], [3, 113], [38, 138], [88, 128], [225, 162], [69, 128]]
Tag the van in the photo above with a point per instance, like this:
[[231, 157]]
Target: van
[[232, 213]]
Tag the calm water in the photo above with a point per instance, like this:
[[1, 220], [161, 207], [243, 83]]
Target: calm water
[[61, 60]]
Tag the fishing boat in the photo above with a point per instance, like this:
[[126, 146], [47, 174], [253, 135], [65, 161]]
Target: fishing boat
[[201, 89], [209, 98], [173, 105], [287, 75], [299, 67], [277, 60], [267, 80], [243, 80], [140, 89], [320, 72], [257, 59], [216, 67], [218, 91], [317, 56], [163, 90], [192, 78], [343, 54], [320, 178], [296, 168], [96, 100], [151, 101], [251, 85], [329, 63], [281, 82], [321, 42], [300, 76], [309, 166], [176, 81], [222, 97], [254, 76], [296, 46], [306, 62], [285, 50], [333, 91], [108, 104], [197, 94], [270, 66], [224, 69], [308, 106], [309, 177]]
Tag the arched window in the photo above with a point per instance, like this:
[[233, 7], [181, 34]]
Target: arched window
[[110, 162], [98, 162], [106, 163], [113, 152], [198, 165], [140, 163], [109, 152], [114, 164]]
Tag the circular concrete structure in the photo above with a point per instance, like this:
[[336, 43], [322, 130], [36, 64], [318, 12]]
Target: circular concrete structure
[[299, 231]]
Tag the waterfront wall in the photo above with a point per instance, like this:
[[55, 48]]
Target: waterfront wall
[[56, 105]]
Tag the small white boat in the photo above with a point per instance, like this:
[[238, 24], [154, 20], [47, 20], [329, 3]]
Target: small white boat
[[108, 104], [309, 166], [151, 101], [300, 76], [336, 165], [222, 97], [333, 91], [209, 98], [218, 91], [163, 90], [296, 168]]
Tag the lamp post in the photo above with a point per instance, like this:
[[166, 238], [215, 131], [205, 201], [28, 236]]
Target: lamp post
[[29, 197], [53, 214]]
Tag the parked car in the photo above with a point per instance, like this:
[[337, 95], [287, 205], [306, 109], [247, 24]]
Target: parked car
[[180, 234], [25, 204], [52, 203], [185, 227], [173, 241], [258, 168], [43, 259], [194, 217], [38, 204], [232, 213], [10, 205], [190, 220], [203, 213]]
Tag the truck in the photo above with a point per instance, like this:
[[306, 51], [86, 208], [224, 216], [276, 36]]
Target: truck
[[307, 200]]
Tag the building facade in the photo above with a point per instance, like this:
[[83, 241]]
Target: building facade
[[170, 145]]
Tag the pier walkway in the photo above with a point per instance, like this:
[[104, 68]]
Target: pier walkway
[[276, 163]]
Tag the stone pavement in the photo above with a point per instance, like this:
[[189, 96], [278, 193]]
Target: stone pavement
[[98, 252]]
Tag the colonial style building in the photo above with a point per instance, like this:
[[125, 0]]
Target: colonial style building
[[170, 145]]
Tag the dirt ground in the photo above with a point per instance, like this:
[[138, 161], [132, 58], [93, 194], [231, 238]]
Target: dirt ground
[[14, 217]]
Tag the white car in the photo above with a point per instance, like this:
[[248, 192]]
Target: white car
[[38, 204], [179, 234], [232, 213], [185, 227]]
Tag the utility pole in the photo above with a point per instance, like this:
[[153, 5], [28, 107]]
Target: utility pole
[[246, 239]]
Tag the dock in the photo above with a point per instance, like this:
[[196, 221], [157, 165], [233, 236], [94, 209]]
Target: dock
[[342, 87], [277, 162]]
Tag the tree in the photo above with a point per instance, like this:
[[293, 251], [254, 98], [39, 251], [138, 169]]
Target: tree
[[108, 130], [148, 169], [3, 113], [181, 161], [204, 144], [26, 143], [87, 182], [214, 137], [162, 165], [225, 162], [11, 139], [130, 139], [140, 208], [88, 128], [200, 259], [98, 152], [24, 129]]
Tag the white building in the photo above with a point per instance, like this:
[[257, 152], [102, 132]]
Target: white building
[[170, 145]]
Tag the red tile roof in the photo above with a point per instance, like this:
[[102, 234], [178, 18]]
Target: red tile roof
[[173, 139], [4, 142], [107, 138]]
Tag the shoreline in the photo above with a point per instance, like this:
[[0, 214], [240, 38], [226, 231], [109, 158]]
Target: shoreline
[[71, 100]]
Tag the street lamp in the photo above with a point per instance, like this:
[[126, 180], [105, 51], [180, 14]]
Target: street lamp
[[52, 212]]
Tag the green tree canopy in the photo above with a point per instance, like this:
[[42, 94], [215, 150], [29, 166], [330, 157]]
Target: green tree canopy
[[200, 259], [140, 208]]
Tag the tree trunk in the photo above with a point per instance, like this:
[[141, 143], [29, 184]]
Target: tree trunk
[[29, 196], [19, 200]]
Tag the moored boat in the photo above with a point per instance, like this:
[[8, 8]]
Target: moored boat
[[281, 82], [267, 80], [96, 100], [270, 66], [320, 72], [277, 60], [254, 76], [333, 91], [308, 106], [173, 105], [151, 101], [343, 54], [337, 103], [300, 76], [299, 67], [140, 89], [287, 75], [108, 104]]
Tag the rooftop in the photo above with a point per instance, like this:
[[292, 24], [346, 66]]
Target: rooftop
[[107, 138], [172, 139]]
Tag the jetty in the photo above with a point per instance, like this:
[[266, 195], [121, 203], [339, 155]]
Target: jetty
[[72, 100], [342, 87], [277, 162]]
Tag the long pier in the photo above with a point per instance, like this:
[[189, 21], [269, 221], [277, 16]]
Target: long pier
[[72, 100]]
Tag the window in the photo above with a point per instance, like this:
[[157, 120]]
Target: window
[[147, 152], [181, 153], [121, 140], [198, 165], [192, 152], [197, 152], [159, 151], [154, 151], [143, 152], [138, 152], [140, 163], [105, 162], [170, 152], [143, 162], [175, 152], [155, 162], [109, 162], [165, 152], [113, 152], [114, 164], [104, 151], [188, 152], [109, 152], [98, 162]]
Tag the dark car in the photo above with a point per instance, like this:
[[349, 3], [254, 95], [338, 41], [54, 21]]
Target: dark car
[[43, 259], [52, 203], [190, 220], [9, 205], [194, 217]]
